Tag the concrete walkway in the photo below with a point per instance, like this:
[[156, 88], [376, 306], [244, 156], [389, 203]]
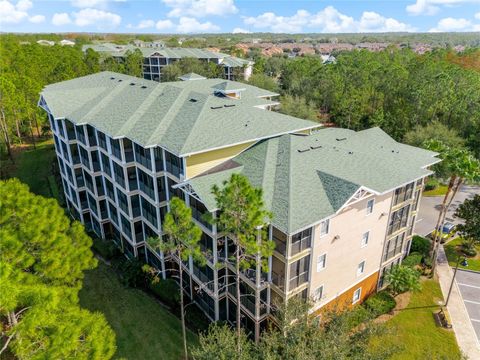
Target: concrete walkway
[[464, 332]]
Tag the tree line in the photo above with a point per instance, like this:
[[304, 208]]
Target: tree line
[[400, 91]]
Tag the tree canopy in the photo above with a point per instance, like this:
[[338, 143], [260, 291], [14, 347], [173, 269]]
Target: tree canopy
[[44, 256]]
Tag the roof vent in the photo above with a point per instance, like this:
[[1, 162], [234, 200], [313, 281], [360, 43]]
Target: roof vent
[[193, 100], [215, 107], [143, 87], [315, 147], [131, 84], [112, 78], [120, 80], [303, 150], [341, 139], [229, 105], [350, 152]]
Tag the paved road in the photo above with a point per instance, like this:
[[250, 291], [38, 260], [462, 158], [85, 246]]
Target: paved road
[[469, 285], [430, 207]]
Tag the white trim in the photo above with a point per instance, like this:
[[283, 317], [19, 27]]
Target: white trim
[[368, 239], [324, 262], [359, 295], [373, 205], [364, 262]]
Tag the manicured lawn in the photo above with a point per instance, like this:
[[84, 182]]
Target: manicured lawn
[[452, 251], [438, 191], [416, 330], [144, 329]]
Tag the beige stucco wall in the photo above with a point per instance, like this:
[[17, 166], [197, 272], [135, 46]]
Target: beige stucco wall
[[345, 253], [199, 163]]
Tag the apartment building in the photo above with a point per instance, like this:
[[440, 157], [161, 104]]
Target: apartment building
[[343, 202], [155, 58]]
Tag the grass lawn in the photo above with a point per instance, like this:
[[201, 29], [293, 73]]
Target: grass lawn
[[452, 252], [144, 329], [438, 191], [416, 330], [34, 168]]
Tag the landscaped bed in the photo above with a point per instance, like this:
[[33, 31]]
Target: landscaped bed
[[453, 250]]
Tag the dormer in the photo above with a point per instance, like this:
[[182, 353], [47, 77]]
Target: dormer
[[228, 89], [191, 76]]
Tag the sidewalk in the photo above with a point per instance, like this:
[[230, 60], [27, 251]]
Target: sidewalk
[[464, 332]]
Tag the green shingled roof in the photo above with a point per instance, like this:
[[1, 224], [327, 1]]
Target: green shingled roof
[[184, 117], [306, 178], [192, 76], [172, 53]]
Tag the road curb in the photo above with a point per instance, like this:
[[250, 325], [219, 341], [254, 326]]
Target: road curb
[[467, 270]]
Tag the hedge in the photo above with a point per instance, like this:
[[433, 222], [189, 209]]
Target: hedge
[[380, 303]]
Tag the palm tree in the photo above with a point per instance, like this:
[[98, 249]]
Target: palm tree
[[460, 166]]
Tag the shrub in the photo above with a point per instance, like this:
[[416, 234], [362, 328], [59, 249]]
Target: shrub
[[167, 292], [196, 319], [358, 315], [131, 272], [431, 184], [413, 259], [427, 262], [402, 278], [380, 303], [420, 245], [106, 249], [468, 250]]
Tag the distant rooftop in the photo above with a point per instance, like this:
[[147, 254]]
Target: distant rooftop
[[172, 53], [184, 117], [192, 76], [306, 178]]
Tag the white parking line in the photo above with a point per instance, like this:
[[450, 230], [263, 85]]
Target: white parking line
[[473, 286], [473, 302], [476, 320]]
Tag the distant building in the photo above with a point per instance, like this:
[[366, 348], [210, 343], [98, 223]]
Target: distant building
[[46, 42], [328, 59], [149, 44], [156, 58], [66, 42]]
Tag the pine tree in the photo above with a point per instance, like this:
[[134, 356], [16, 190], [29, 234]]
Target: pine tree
[[242, 217], [183, 238], [43, 259]]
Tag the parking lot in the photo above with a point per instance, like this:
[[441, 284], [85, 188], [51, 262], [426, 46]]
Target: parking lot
[[469, 285]]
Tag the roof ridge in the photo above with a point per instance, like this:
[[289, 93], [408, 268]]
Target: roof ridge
[[167, 119], [104, 101], [196, 123], [147, 102]]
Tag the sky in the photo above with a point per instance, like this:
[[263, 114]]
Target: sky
[[239, 16]]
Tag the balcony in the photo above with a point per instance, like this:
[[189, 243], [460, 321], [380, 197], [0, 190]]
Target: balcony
[[278, 280], [298, 280], [300, 246]]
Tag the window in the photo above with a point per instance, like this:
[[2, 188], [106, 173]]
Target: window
[[370, 206], [324, 227], [361, 268], [356, 295], [321, 262], [318, 293], [365, 237]]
